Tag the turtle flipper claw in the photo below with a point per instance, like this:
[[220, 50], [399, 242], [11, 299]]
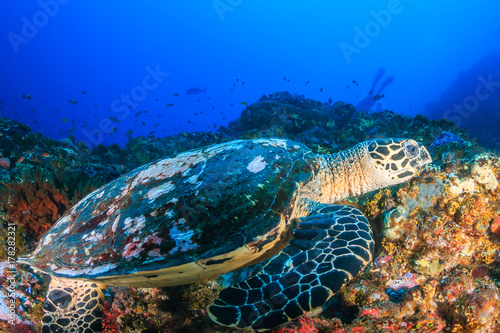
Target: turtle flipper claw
[[329, 249]]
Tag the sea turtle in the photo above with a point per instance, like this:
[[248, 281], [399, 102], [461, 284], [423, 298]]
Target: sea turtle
[[212, 210]]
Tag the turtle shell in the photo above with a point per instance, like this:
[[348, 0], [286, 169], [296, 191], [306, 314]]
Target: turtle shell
[[196, 215]]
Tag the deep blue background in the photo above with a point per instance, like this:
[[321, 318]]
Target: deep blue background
[[104, 48]]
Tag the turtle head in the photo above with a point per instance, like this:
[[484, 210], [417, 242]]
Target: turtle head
[[397, 160]]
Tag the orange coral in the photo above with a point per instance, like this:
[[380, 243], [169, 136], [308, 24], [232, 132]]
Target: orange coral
[[34, 205]]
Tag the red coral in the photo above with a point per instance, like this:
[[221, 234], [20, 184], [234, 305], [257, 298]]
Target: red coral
[[34, 204], [495, 225], [20, 327], [109, 322], [306, 326]]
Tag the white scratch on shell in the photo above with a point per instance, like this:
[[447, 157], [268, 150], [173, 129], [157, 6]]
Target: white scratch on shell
[[135, 224], [258, 164], [87, 271], [159, 190], [93, 236], [115, 223]]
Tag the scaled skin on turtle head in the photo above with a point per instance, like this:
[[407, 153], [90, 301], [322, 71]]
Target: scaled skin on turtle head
[[366, 167], [161, 224]]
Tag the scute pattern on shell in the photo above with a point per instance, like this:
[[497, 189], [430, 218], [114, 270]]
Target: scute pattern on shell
[[187, 208]]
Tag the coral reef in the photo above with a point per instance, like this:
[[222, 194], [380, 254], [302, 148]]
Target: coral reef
[[436, 267]]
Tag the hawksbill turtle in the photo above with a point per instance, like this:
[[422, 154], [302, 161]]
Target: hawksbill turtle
[[216, 209]]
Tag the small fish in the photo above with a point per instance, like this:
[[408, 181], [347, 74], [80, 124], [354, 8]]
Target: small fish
[[64, 120], [354, 81], [198, 100], [114, 119], [170, 104], [95, 105], [45, 155], [156, 125], [138, 113], [320, 89], [84, 92], [377, 97], [330, 101], [196, 91], [176, 94], [129, 132], [157, 99], [370, 92], [26, 96], [307, 83], [72, 101], [243, 103], [20, 160]]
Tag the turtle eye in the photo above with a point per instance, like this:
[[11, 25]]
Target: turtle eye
[[411, 148]]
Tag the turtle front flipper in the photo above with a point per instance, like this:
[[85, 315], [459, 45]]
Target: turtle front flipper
[[329, 249], [73, 306]]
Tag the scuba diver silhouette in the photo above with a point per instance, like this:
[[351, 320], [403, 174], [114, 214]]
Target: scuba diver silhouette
[[369, 101]]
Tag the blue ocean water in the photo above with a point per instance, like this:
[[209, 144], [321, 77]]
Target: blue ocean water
[[106, 70]]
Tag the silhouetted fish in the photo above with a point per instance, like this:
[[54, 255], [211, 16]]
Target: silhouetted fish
[[196, 91], [377, 97]]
